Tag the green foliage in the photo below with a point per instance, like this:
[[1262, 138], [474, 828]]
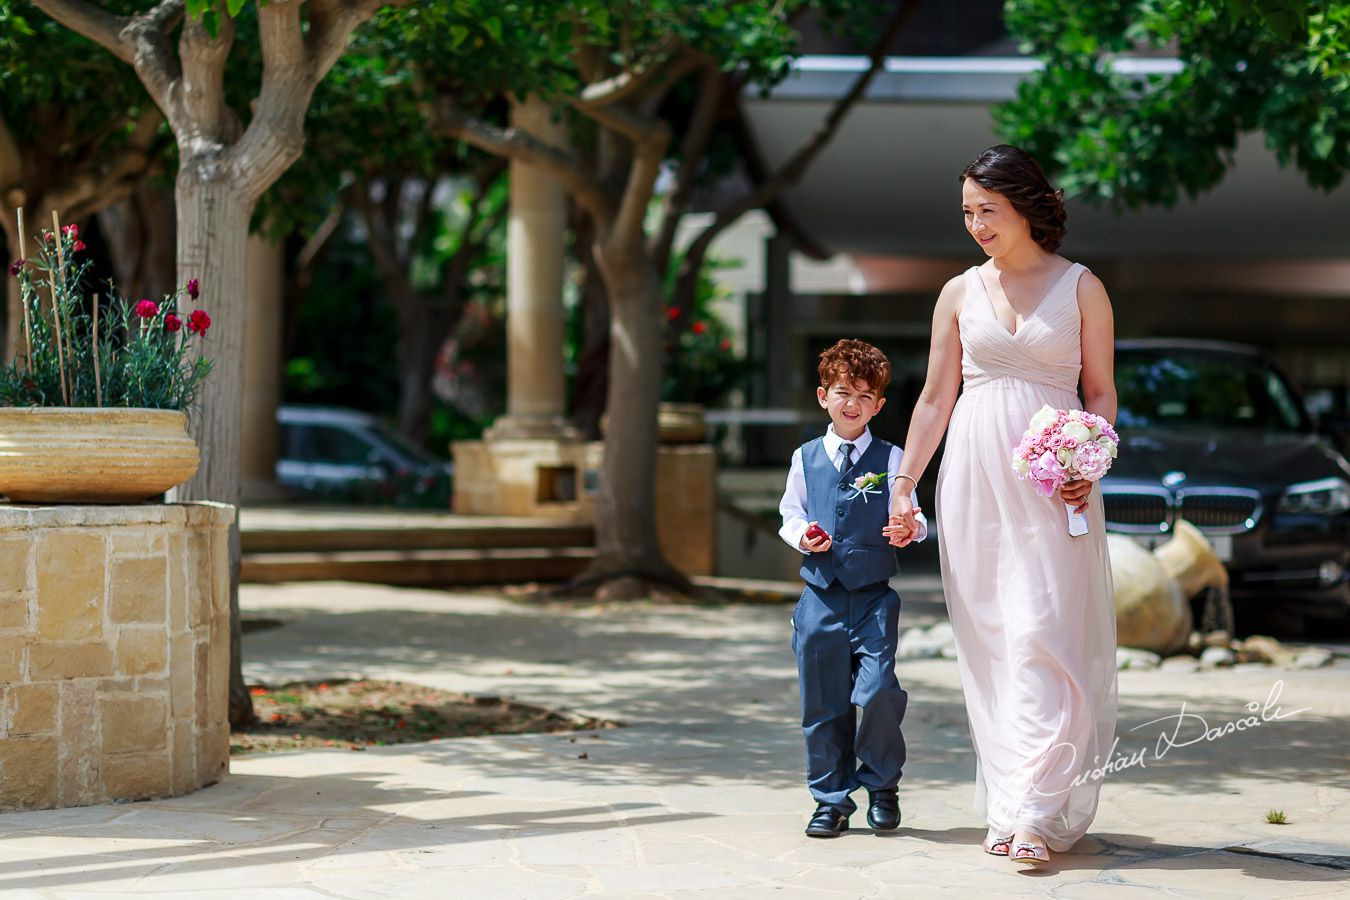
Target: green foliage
[[1126, 140], [145, 351]]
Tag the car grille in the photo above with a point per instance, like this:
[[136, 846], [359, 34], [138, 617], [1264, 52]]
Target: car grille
[[1136, 509], [1213, 510], [1217, 510]]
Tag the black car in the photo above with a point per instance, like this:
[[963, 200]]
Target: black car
[[1215, 434]]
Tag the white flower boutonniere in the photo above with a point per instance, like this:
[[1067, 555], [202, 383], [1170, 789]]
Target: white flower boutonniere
[[871, 483]]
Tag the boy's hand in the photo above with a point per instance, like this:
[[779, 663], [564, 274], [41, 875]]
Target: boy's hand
[[898, 531], [817, 544]]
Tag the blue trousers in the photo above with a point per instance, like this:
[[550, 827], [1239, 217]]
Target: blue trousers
[[844, 642]]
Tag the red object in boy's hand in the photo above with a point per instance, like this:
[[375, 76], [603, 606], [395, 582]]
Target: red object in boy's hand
[[815, 532]]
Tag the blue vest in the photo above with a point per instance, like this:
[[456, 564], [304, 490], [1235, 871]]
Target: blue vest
[[860, 554]]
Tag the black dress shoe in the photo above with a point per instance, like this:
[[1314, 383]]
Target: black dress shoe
[[883, 810], [826, 822]]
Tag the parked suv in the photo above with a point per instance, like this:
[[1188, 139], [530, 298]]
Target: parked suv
[[344, 455], [1215, 434]]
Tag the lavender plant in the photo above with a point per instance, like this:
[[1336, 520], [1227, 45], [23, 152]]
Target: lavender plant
[[81, 349]]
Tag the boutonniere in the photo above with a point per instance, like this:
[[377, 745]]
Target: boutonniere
[[871, 483]]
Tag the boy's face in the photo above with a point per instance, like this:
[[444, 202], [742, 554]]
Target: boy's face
[[851, 406]]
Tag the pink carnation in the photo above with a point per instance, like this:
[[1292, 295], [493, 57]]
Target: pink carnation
[[146, 309]]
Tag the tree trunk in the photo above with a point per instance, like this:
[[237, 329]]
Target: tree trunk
[[420, 339], [592, 382], [213, 219], [140, 232], [628, 553]]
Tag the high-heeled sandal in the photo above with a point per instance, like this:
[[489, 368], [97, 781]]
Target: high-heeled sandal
[[992, 844], [1029, 854]]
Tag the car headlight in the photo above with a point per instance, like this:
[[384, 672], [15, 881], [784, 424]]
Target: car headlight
[[1327, 497]]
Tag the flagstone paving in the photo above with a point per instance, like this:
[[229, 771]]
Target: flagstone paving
[[701, 792]]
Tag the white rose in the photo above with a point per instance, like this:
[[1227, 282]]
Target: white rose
[[1078, 431], [1096, 432], [1021, 467], [1065, 456], [1109, 446], [1045, 417]]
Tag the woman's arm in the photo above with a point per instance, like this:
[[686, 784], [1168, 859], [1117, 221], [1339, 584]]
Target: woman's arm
[[934, 407], [1098, 337]]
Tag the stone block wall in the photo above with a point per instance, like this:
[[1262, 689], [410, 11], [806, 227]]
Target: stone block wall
[[114, 652], [514, 477]]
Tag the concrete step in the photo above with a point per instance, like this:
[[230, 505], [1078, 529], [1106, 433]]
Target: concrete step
[[305, 531], [419, 567]]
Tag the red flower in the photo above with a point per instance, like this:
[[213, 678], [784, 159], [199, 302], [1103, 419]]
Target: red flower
[[725, 345], [198, 322], [71, 231], [193, 288], [16, 267], [673, 313], [48, 236], [172, 323], [146, 309], [700, 327], [78, 246]]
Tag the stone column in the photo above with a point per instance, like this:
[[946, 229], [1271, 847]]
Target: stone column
[[262, 369], [536, 232]]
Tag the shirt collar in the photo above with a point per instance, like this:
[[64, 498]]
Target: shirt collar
[[832, 442]]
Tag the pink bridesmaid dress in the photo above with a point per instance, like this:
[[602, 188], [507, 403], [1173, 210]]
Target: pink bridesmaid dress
[[1032, 608]]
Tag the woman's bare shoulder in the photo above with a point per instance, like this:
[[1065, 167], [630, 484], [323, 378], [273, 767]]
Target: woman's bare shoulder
[[1091, 291], [952, 295]]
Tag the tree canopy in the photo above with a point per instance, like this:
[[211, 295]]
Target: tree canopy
[[1124, 139]]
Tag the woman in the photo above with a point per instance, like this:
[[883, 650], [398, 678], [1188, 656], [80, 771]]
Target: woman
[[1031, 607]]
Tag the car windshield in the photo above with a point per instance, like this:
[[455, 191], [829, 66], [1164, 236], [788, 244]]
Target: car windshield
[[1192, 388]]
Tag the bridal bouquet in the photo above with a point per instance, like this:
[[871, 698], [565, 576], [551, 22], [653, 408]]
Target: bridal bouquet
[[1061, 446]]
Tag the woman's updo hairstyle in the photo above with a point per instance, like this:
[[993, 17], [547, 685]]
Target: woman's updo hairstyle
[[1013, 173]]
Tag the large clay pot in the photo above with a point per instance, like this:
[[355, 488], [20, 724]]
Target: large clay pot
[[87, 455], [1151, 613]]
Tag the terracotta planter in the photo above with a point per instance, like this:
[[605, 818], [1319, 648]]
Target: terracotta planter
[[70, 455]]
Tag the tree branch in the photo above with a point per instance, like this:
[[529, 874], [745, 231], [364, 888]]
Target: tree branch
[[637, 193], [94, 22], [791, 172], [692, 150], [631, 80], [141, 41], [451, 121], [11, 168], [203, 59]]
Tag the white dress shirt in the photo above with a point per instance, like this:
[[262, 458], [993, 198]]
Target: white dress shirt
[[793, 505]]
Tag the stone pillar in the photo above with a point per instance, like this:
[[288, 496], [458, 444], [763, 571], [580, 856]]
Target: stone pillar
[[114, 652], [263, 329], [536, 233]]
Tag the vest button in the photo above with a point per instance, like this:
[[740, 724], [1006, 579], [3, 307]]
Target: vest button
[[839, 511]]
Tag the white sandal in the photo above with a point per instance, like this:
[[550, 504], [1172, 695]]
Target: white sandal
[[992, 842], [1035, 854]]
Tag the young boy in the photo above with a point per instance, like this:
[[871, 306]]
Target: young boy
[[844, 626]]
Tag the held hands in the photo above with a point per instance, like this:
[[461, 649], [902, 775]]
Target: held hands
[[818, 544], [1075, 494], [902, 526]]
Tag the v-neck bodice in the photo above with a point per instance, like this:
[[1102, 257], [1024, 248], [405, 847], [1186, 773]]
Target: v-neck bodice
[[1046, 349]]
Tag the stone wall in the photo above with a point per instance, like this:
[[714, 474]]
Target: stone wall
[[114, 652], [558, 480]]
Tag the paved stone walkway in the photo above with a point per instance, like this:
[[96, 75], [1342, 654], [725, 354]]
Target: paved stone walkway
[[701, 792]]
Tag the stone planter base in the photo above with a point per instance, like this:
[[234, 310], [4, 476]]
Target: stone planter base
[[114, 652]]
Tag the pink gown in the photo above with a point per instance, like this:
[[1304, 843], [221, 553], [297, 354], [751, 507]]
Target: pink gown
[[1032, 608]]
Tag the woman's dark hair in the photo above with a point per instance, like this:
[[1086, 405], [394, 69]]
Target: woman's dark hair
[[1012, 172]]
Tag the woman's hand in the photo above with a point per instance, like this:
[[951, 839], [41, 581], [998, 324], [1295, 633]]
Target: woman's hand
[[902, 525], [1075, 494]]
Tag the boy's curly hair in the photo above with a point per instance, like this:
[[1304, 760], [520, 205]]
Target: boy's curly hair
[[855, 361]]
